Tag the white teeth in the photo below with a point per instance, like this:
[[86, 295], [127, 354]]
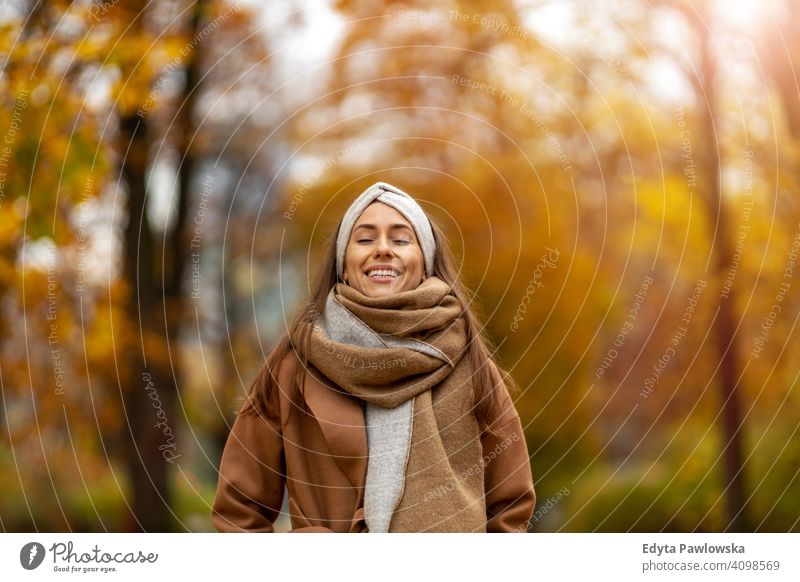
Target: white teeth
[[381, 273]]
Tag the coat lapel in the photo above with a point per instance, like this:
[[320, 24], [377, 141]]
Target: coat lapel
[[341, 419]]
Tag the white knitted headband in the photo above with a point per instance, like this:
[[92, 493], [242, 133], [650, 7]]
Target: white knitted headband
[[404, 204]]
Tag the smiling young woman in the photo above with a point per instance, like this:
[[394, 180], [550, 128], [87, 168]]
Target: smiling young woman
[[381, 410]]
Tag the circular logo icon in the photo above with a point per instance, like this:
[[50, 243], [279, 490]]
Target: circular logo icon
[[31, 555]]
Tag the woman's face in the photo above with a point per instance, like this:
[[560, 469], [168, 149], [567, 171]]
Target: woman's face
[[383, 256]]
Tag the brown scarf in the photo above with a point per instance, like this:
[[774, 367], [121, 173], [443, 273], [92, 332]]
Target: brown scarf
[[443, 480]]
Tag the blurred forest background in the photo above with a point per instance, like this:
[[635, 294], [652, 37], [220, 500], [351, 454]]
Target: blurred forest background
[[620, 180]]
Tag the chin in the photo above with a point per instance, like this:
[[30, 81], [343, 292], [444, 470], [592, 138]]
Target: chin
[[380, 290], [371, 289]]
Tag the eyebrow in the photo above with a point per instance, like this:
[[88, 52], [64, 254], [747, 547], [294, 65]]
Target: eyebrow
[[373, 227]]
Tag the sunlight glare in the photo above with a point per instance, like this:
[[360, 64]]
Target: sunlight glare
[[743, 14]]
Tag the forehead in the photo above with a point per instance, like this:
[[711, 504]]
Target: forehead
[[380, 213]]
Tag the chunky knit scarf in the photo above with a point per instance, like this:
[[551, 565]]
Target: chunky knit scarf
[[390, 352]]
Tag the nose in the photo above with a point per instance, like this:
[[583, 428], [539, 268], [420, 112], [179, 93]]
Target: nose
[[383, 246]]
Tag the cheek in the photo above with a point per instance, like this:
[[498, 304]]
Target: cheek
[[414, 261], [352, 258]]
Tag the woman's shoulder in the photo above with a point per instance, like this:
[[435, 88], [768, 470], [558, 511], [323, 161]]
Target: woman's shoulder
[[287, 366], [289, 360], [502, 378], [273, 383], [494, 372]]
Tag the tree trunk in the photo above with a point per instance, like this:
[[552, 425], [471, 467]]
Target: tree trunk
[[148, 392], [154, 273], [728, 371]]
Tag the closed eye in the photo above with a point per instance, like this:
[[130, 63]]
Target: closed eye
[[366, 240]]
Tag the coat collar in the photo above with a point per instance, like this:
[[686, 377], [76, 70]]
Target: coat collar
[[341, 419]]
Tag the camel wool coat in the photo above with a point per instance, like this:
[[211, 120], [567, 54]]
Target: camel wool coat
[[320, 455]]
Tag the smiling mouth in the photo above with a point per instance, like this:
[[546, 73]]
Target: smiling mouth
[[382, 275]]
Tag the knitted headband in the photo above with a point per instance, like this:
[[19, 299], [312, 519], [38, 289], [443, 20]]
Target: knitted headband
[[398, 200]]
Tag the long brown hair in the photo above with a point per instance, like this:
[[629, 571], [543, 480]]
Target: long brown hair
[[262, 389]]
